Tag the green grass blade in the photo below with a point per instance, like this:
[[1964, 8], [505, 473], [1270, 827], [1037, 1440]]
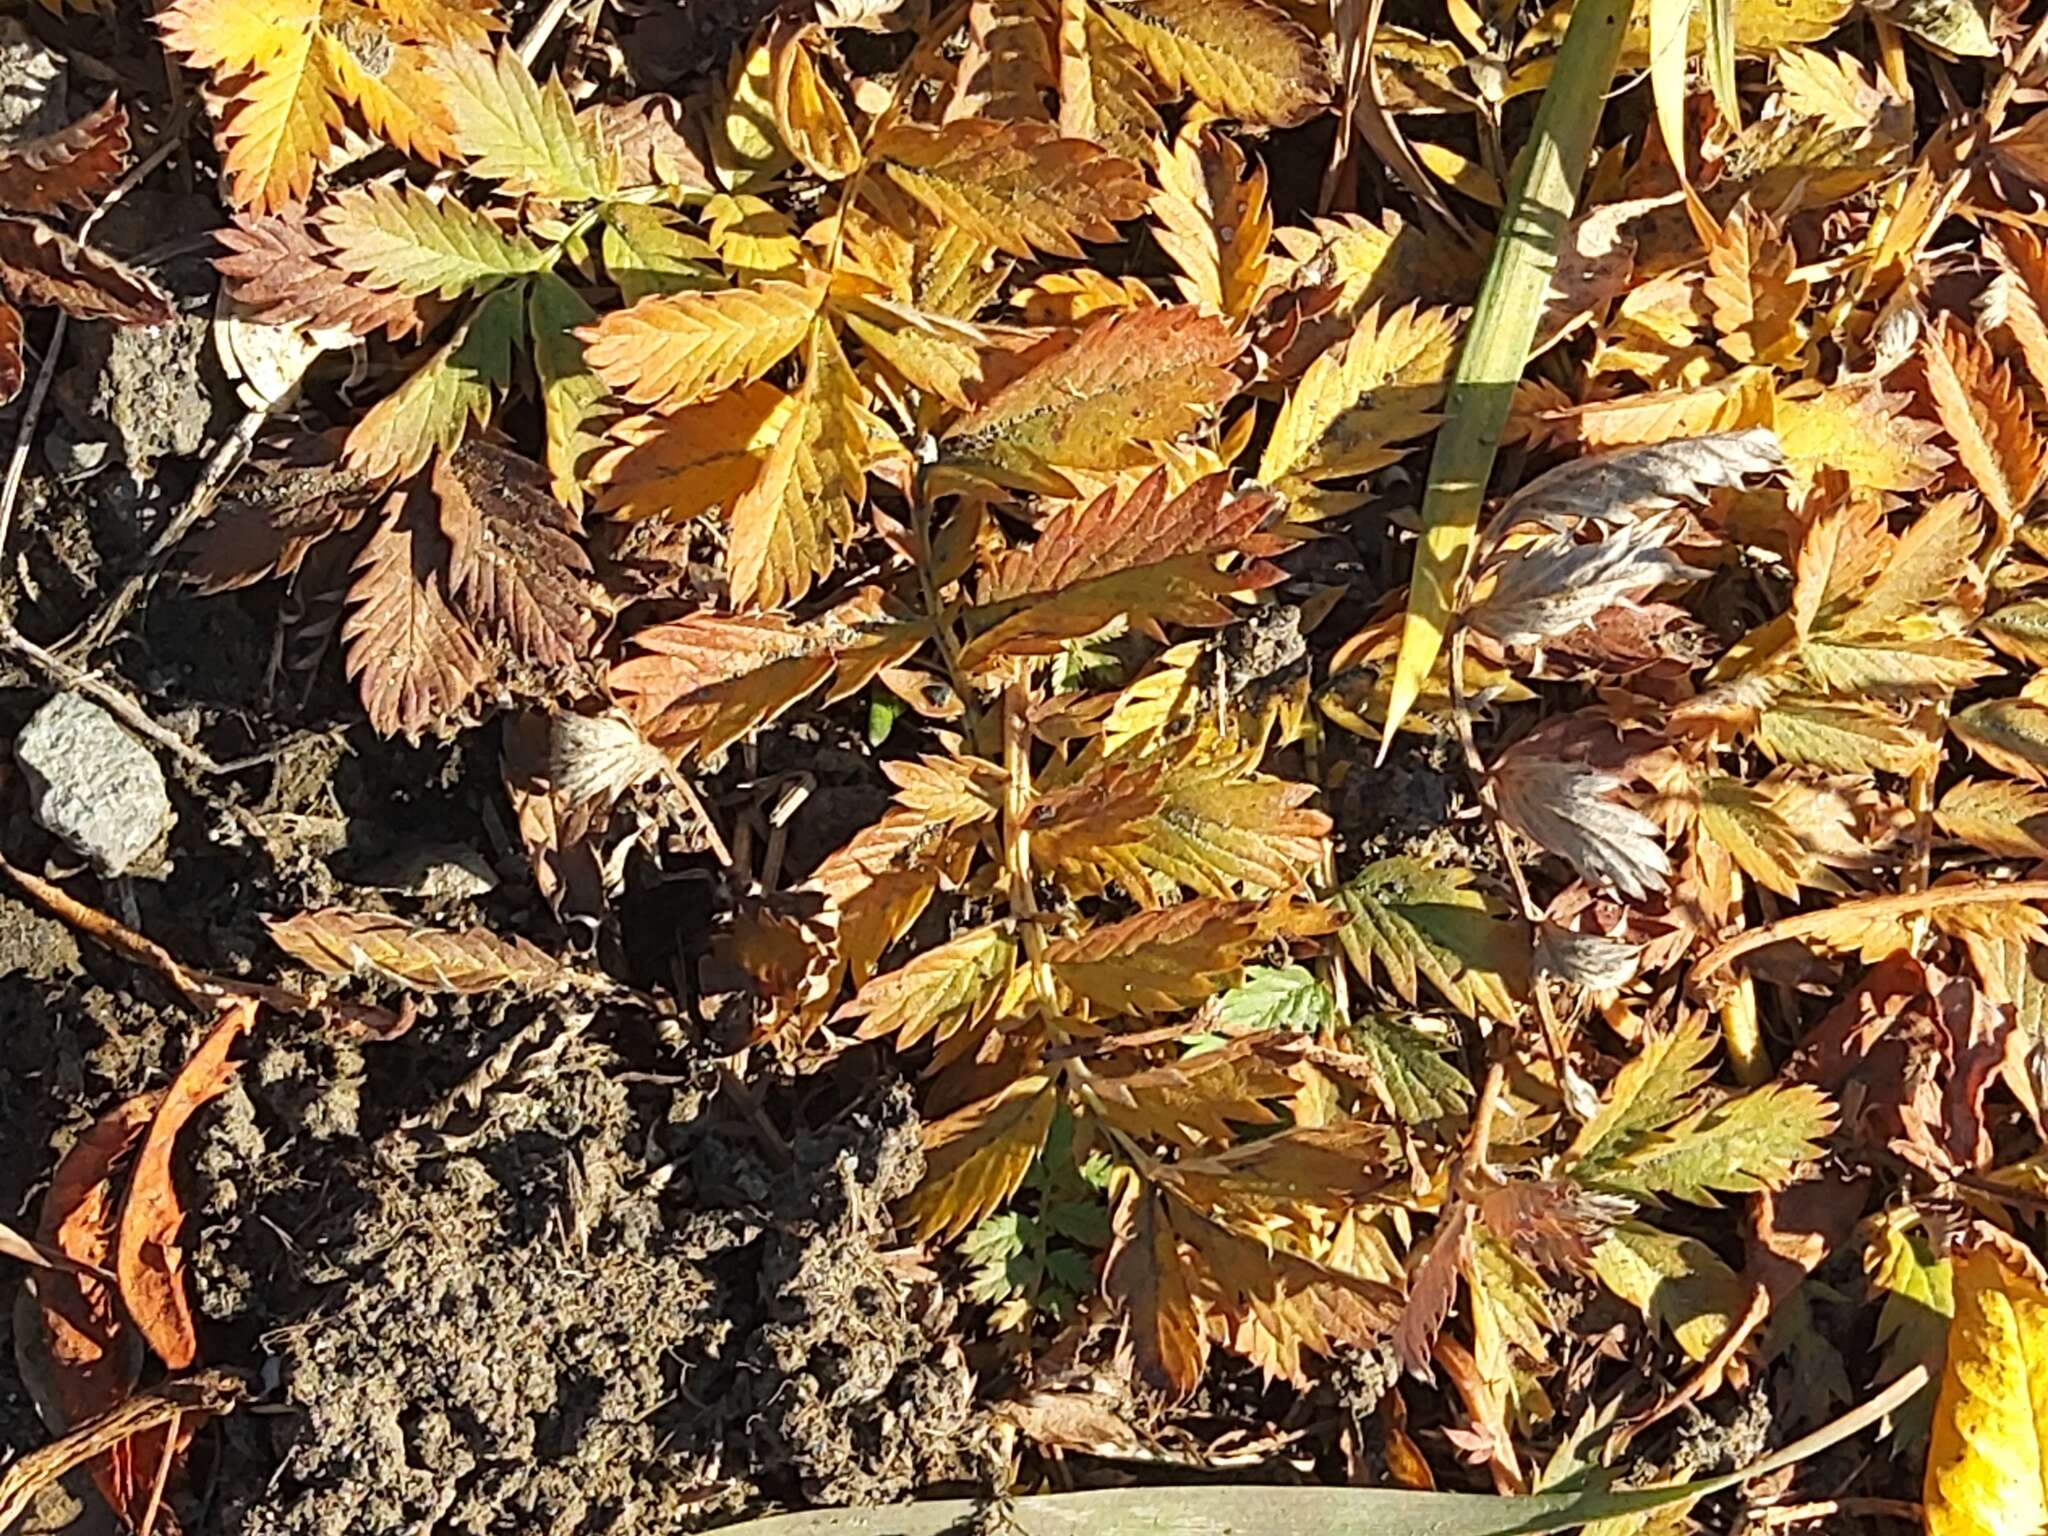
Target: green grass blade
[[1540, 205]]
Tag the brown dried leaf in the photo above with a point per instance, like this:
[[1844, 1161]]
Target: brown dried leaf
[[515, 563], [69, 168], [414, 660], [266, 525], [1980, 404], [147, 1258], [41, 265], [1197, 1099], [279, 267], [1157, 962], [1148, 1284], [337, 941]]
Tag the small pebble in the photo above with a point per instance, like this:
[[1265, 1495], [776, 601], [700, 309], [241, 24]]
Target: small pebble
[[92, 783]]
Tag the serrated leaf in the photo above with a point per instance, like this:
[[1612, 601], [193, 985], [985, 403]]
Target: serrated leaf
[[1200, 817], [413, 659], [1404, 1067], [1839, 737], [701, 682], [1017, 186], [1755, 300], [455, 389], [945, 989], [1139, 558], [646, 251], [265, 526], [278, 267], [1571, 809], [1285, 997], [1748, 823], [1240, 58], [1956, 26], [1652, 1089], [2019, 629], [787, 526], [943, 357], [1378, 389], [513, 130], [1150, 1288], [2009, 734], [1419, 923], [809, 116], [516, 566], [883, 879], [1979, 403], [41, 265], [399, 238], [1092, 401], [975, 1159], [572, 398], [1196, 1099], [1214, 221], [1006, 70], [1861, 430], [1157, 962], [69, 168], [1987, 1459], [682, 463], [677, 349], [1998, 816], [1547, 589], [1676, 1282], [1626, 485], [1754, 1141], [338, 941], [2017, 299]]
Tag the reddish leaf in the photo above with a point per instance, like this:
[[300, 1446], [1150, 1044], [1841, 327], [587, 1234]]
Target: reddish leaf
[[41, 265], [147, 1258], [414, 659], [265, 526], [11, 371], [69, 168], [1148, 1284], [514, 561], [280, 268]]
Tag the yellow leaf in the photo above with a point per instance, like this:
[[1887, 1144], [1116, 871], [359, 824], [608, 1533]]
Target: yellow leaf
[[454, 390], [1018, 186], [1415, 922], [1157, 962], [1998, 816], [1241, 58], [1105, 94], [680, 464], [787, 525], [2022, 294], [1861, 430], [809, 115], [1755, 298], [338, 941], [746, 148], [1987, 1454], [940, 992], [2009, 734], [1743, 399], [1666, 23], [1747, 823], [1214, 221], [1151, 1288], [676, 349], [1006, 72], [1380, 388], [1093, 401], [1832, 87], [1980, 404], [1677, 1282], [975, 1159]]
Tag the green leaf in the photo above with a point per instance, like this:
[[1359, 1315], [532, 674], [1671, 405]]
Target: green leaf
[[1653, 1088], [1678, 1283], [519, 132], [455, 388], [1277, 997], [570, 393], [1919, 1299], [1410, 1074], [399, 238], [646, 250], [1754, 1141], [1412, 921]]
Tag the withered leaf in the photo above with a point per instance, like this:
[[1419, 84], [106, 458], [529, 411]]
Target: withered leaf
[[264, 526], [147, 1258], [337, 941], [41, 265], [515, 565], [415, 661], [285, 273], [70, 168], [1157, 962], [1148, 1284], [975, 1159]]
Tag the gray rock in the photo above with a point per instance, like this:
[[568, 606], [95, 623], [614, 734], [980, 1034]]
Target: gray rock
[[438, 872], [92, 783], [31, 84], [144, 393]]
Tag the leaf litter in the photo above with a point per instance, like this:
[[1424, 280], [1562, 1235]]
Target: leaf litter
[[1013, 947]]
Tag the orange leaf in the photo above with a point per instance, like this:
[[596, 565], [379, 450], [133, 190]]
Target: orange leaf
[[414, 660], [148, 1260], [1980, 404], [1214, 222], [1160, 961], [1148, 1284], [69, 168], [975, 1159], [1092, 401], [1018, 186]]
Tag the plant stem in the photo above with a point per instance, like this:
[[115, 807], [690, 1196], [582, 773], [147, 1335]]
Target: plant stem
[[1503, 324]]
